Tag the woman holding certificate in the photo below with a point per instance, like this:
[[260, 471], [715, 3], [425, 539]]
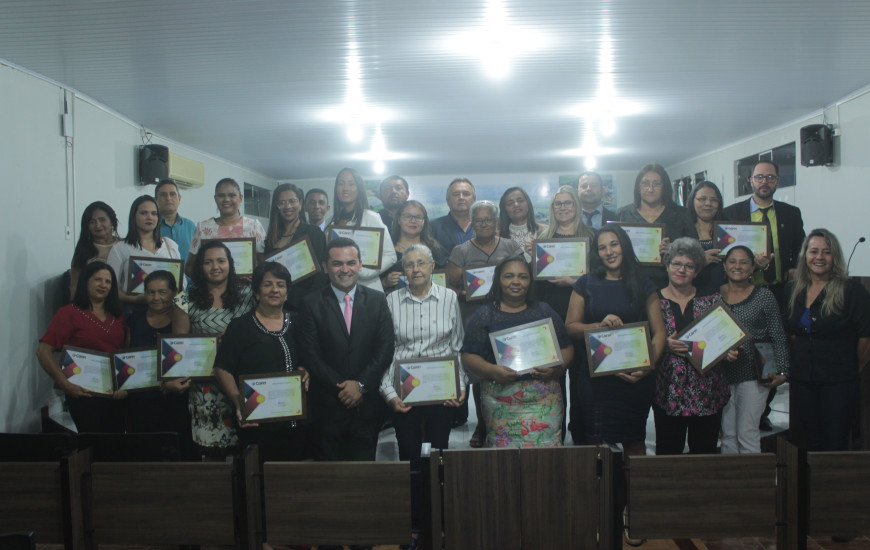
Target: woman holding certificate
[[520, 410], [259, 343], [703, 211], [654, 203], [286, 226], [93, 322], [97, 235], [163, 410], [486, 248], [411, 227], [828, 318], [216, 297], [687, 404], [565, 223], [612, 409], [143, 239], [427, 326], [352, 211], [230, 224], [757, 310]]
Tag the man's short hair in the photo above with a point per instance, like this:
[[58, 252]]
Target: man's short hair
[[166, 182], [343, 242], [770, 162], [461, 180], [595, 175], [396, 178], [316, 191]]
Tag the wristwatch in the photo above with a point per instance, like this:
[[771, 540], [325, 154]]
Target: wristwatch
[[362, 387]]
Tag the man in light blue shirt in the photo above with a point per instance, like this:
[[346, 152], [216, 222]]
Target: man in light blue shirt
[[172, 224]]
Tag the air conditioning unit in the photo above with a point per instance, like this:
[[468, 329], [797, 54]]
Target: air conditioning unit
[[185, 172]]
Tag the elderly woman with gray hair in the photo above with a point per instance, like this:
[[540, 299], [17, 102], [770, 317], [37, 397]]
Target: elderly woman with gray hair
[[686, 402], [485, 248]]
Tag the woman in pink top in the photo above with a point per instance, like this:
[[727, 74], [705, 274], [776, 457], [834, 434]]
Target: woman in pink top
[[229, 225]]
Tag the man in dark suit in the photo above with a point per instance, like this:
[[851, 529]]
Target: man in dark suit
[[786, 227], [346, 340], [590, 189], [786, 230]]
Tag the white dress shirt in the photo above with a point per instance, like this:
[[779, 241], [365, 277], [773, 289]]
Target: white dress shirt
[[431, 327]]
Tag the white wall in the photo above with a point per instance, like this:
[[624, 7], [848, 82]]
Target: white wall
[[835, 197], [46, 187]]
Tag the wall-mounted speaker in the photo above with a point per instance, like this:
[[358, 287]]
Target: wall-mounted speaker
[[817, 145], [153, 163]]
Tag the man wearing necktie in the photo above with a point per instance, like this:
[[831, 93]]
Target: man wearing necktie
[[591, 191], [785, 237], [346, 340], [786, 234]]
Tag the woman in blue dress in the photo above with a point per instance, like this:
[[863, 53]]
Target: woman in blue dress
[[612, 409]]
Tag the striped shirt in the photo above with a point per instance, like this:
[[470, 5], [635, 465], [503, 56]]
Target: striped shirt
[[431, 327]]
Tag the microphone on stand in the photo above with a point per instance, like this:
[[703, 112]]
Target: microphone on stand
[[860, 240]]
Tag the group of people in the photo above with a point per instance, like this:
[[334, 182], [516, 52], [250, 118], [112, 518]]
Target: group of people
[[345, 328]]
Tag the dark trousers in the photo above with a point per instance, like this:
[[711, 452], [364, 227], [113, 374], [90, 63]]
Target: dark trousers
[[281, 441], [671, 433], [825, 412], [345, 436], [96, 414], [151, 411], [427, 423]]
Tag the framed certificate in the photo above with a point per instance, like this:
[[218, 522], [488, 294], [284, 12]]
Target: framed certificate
[[439, 277], [477, 281], [183, 355], [765, 360], [711, 335], [750, 234], [524, 347], [561, 258], [646, 238], [273, 397], [370, 241], [242, 251], [90, 369], [427, 380], [298, 258], [615, 350], [140, 267], [135, 369]]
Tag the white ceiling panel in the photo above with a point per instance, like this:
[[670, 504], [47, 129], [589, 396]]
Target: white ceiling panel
[[266, 83]]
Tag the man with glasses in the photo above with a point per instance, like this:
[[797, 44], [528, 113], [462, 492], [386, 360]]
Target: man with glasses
[[785, 237], [394, 191], [591, 191], [786, 232], [455, 228]]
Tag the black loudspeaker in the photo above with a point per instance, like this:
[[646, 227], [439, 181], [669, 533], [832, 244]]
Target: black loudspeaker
[[817, 145], [153, 163]]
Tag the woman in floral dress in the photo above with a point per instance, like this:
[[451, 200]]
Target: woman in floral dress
[[216, 297], [519, 410]]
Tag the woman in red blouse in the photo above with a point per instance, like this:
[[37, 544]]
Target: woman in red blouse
[[92, 321]]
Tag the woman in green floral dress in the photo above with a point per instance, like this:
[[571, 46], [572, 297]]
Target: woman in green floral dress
[[520, 410]]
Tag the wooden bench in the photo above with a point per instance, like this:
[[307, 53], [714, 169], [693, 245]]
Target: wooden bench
[[526, 498], [324, 503]]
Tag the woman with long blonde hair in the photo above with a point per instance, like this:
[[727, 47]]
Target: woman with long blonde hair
[[829, 322]]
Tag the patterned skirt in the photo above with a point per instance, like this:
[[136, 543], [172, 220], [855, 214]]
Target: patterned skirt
[[211, 415], [527, 413]]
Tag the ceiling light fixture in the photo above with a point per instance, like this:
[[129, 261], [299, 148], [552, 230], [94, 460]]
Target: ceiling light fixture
[[496, 43]]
